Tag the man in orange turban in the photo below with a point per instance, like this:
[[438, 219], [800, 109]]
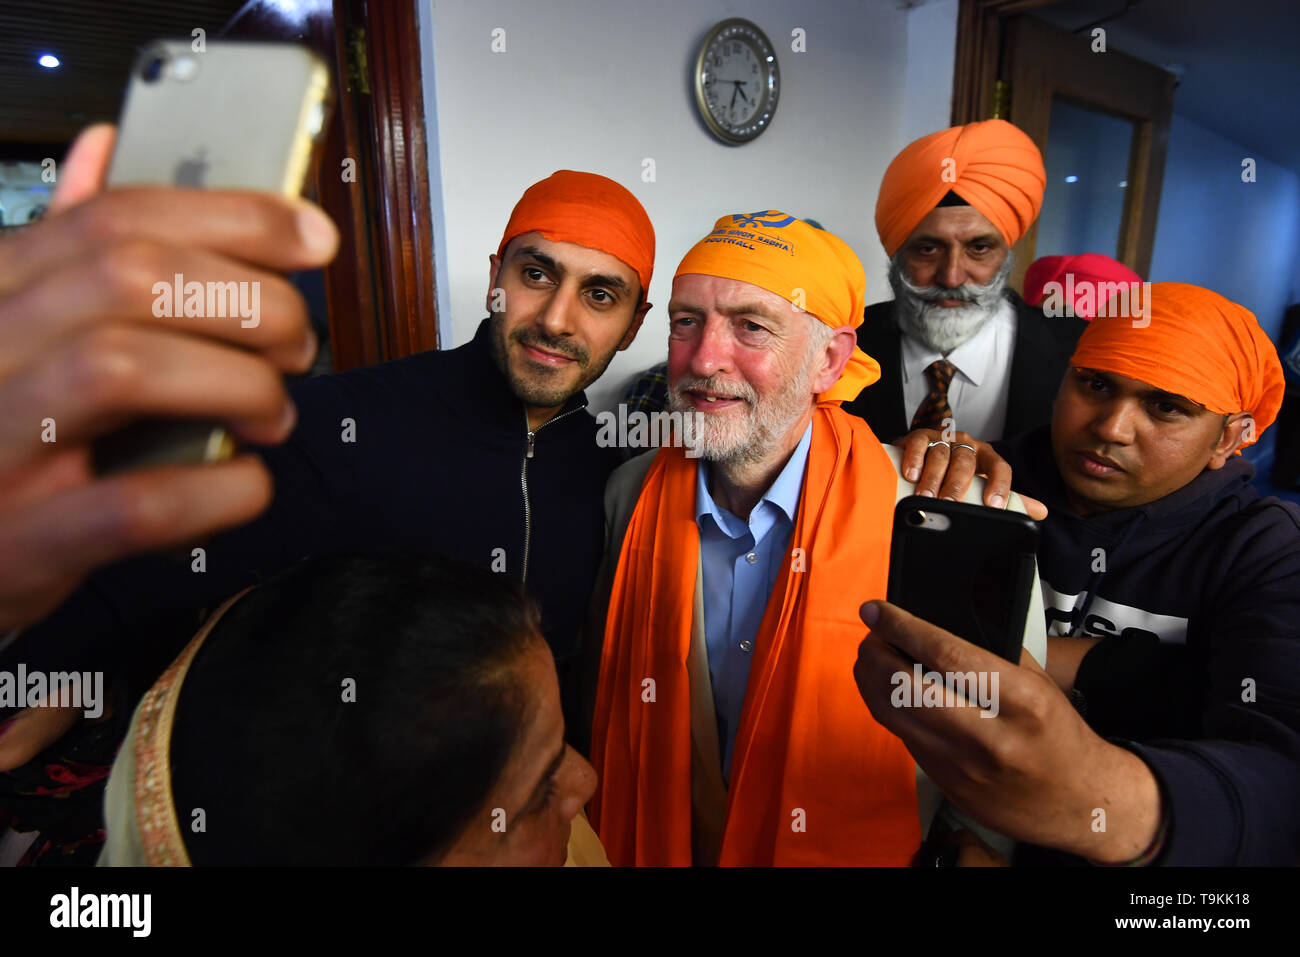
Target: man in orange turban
[[727, 728], [483, 452], [1166, 728], [957, 348]]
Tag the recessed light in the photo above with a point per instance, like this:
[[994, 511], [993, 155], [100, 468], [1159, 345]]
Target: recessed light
[[1072, 178], [48, 60]]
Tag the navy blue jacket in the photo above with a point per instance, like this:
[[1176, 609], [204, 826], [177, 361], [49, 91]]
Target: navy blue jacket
[[1196, 598], [441, 463]]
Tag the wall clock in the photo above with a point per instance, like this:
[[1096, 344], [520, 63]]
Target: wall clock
[[736, 81]]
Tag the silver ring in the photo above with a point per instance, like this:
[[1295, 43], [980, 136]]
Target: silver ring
[[971, 447], [939, 442]]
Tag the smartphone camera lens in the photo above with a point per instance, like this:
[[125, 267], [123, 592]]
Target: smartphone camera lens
[[153, 68], [916, 519], [185, 68]]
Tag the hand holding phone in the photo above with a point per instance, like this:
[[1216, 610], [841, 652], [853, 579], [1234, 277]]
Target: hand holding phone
[[235, 116], [80, 354]]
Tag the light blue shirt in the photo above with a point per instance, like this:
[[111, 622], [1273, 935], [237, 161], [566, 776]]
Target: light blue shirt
[[740, 562]]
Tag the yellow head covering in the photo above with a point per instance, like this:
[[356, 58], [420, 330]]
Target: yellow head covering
[[809, 267]]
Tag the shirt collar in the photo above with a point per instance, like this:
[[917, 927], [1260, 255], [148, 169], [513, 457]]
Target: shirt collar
[[783, 493]]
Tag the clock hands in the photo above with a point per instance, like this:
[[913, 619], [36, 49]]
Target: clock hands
[[738, 87]]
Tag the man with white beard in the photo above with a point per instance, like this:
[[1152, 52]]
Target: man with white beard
[[955, 343], [725, 730]]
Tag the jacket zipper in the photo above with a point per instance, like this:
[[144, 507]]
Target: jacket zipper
[[523, 481]]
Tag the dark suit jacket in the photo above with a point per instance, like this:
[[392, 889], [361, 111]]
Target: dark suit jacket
[[1039, 359]]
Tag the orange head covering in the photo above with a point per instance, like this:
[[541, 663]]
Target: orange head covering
[[1088, 270], [809, 267], [587, 210], [1193, 343], [991, 164]]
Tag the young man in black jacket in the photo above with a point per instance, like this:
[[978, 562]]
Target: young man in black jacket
[[483, 453], [1172, 593]]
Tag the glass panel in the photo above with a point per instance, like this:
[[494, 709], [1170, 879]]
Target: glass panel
[[1087, 177], [24, 192]]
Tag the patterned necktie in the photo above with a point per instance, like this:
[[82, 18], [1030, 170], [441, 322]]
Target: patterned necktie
[[934, 407]]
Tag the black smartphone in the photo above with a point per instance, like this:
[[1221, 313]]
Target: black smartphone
[[965, 568], [233, 115]]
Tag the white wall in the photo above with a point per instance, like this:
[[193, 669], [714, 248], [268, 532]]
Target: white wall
[[600, 86], [1240, 239], [931, 51]]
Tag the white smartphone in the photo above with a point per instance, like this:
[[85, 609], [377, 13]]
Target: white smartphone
[[216, 115]]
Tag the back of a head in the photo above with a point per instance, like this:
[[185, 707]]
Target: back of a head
[[352, 710]]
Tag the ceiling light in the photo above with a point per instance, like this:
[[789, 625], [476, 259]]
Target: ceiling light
[[48, 60]]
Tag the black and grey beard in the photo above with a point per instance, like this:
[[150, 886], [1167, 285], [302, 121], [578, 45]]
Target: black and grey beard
[[944, 328]]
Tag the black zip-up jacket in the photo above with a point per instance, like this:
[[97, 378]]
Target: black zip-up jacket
[[1196, 598], [443, 462]]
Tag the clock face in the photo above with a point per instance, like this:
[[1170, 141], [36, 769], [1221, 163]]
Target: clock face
[[736, 81]]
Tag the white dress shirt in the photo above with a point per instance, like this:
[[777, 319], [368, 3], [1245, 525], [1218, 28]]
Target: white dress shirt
[[978, 391]]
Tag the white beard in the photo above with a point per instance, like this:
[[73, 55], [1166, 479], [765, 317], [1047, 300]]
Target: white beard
[[944, 328], [730, 440], [740, 440]]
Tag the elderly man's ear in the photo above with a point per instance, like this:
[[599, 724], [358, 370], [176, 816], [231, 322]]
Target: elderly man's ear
[[844, 339]]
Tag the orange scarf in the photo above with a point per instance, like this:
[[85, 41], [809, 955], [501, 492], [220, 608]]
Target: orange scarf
[[814, 780]]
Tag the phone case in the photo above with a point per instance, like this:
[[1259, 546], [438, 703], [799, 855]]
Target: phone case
[[965, 568]]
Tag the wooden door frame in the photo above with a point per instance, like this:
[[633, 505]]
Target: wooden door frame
[[987, 72], [1063, 65], [382, 295], [978, 56], [380, 288]]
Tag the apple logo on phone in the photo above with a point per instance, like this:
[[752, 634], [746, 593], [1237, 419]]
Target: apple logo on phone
[[190, 172]]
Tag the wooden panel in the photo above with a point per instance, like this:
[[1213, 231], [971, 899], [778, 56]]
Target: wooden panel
[[977, 58], [401, 178], [381, 286], [1042, 61]]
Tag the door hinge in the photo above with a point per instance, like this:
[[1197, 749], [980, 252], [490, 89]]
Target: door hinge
[[358, 66], [1001, 100]]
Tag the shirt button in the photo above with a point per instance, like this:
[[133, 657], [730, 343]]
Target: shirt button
[[752, 557], [746, 646]]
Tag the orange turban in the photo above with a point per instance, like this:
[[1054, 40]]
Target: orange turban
[[1195, 344], [991, 164], [587, 210], [802, 264]]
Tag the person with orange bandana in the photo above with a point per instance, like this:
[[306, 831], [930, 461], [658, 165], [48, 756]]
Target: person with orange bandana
[[727, 729], [955, 342], [485, 453], [1166, 728]]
